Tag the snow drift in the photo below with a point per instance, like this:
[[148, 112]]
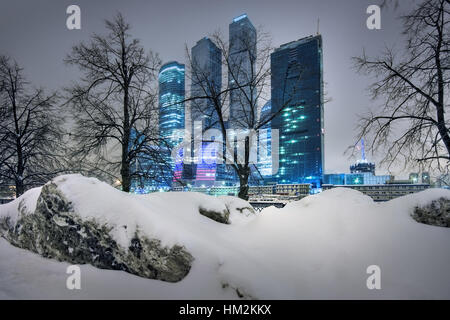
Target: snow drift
[[82, 220], [218, 248]]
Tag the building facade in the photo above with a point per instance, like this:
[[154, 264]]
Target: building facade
[[355, 178], [297, 90], [383, 192], [423, 177], [294, 189], [206, 76], [171, 100], [171, 81], [363, 166], [242, 58]]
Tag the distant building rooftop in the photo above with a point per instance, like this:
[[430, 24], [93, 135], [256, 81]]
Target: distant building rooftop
[[295, 43], [171, 65], [242, 16]]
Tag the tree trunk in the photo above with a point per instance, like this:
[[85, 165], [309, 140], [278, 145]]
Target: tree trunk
[[125, 165], [243, 182], [20, 188], [126, 179], [125, 171], [244, 172]]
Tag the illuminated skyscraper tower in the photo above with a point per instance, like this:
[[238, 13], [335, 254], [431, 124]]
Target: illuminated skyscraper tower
[[206, 76], [297, 87], [171, 97], [171, 110], [242, 56]]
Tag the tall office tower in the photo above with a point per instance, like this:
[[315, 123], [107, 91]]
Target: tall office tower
[[242, 56], [206, 76], [297, 90], [171, 97], [171, 109]]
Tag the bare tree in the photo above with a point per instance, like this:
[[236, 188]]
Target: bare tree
[[411, 125], [389, 3], [30, 134], [115, 105], [237, 99]]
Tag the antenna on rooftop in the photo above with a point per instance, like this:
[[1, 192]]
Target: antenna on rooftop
[[318, 24]]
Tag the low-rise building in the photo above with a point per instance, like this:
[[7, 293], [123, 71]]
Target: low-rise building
[[383, 192], [258, 190], [294, 189], [355, 178]]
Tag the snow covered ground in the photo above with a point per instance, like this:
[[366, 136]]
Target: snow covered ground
[[315, 248]]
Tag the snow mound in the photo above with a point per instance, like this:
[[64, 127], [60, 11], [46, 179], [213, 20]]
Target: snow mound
[[318, 247], [82, 220], [335, 198], [25, 204]]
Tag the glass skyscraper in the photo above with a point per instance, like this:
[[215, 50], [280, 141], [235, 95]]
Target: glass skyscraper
[[242, 56], [171, 97], [297, 89], [171, 112], [206, 76]]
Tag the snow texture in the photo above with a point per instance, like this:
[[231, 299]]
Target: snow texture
[[315, 248]]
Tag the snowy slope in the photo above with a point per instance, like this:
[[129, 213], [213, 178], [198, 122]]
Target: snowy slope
[[318, 247]]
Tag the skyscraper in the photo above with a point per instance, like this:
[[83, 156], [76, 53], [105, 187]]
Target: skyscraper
[[171, 111], [206, 76], [242, 56], [297, 89], [171, 97]]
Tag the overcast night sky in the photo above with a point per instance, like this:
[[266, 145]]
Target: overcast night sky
[[35, 34]]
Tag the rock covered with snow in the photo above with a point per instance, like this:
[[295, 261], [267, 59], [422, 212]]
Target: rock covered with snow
[[437, 213], [55, 230], [62, 225], [234, 210], [317, 248]]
